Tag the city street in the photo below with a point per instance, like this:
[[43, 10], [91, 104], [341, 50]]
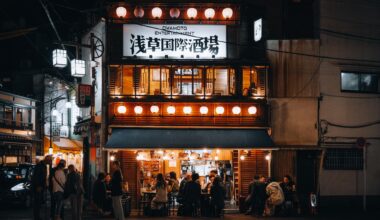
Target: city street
[[16, 213]]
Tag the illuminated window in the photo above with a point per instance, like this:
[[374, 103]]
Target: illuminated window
[[249, 81], [359, 82]]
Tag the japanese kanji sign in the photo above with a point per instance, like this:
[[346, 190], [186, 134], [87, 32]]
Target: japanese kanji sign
[[174, 41]]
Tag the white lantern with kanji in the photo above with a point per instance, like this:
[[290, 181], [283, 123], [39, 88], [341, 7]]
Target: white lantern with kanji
[[78, 68], [59, 58]]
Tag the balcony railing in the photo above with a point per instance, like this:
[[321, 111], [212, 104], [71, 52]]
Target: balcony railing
[[15, 125]]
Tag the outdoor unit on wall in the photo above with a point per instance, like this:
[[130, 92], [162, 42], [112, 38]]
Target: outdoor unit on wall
[[78, 68], [59, 58]]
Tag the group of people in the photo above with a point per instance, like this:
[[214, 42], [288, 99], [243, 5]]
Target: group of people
[[267, 197], [107, 192], [62, 184], [190, 192]]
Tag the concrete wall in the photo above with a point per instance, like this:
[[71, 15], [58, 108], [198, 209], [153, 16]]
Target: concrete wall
[[363, 19]]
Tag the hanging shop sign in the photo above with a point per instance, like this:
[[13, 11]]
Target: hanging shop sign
[[258, 29], [174, 41], [83, 98]]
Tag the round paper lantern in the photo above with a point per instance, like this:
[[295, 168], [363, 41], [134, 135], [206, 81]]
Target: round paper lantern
[[192, 13], [209, 13], [156, 12], [138, 12], [121, 12], [227, 13], [174, 13]]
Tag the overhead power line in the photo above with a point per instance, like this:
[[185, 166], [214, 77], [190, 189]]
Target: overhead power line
[[267, 49]]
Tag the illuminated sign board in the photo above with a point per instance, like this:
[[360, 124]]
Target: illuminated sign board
[[83, 98], [258, 29], [174, 41]]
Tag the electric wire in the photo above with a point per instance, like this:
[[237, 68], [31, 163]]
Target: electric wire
[[350, 126]]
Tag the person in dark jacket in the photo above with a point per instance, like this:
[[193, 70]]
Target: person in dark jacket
[[217, 196], [117, 191], [39, 185], [259, 196], [248, 201], [75, 190], [192, 195], [99, 192]]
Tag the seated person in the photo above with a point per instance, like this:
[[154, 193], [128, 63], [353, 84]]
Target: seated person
[[173, 183], [161, 192]]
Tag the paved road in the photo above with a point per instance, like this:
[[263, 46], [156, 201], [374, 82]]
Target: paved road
[[16, 213]]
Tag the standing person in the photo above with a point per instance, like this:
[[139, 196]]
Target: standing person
[[217, 196], [117, 191], [249, 200], [99, 193], [161, 191], [259, 196], [181, 192], [39, 185], [59, 181], [192, 195], [75, 191]]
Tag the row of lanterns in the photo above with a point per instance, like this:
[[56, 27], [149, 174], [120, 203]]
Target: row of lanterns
[[192, 13], [236, 110]]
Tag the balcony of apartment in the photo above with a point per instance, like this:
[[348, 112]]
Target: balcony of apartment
[[15, 125]]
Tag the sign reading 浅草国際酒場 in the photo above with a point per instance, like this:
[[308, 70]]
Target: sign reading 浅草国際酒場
[[174, 41]]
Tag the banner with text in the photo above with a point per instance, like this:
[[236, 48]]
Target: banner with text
[[174, 41]]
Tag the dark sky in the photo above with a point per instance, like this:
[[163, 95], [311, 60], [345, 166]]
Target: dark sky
[[24, 51], [27, 37]]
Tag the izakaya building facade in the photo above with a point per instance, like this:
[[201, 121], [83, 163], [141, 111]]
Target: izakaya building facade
[[184, 89]]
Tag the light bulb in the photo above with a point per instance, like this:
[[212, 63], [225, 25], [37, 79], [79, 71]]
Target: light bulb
[[154, 109], [121, 109], [219, 110], [203, 110], [171, 110], [187, 110], [138, 109], [252, 110], [236, 110]]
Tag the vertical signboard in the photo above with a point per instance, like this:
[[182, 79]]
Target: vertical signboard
[[258, 29], [83, 98]]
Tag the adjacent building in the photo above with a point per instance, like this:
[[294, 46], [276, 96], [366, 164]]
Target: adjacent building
[[18, 141]]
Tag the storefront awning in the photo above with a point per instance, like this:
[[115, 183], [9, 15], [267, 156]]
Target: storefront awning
[[150, 138], [64, 144]]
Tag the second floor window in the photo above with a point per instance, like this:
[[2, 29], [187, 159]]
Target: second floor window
[[137, 81], [173, 80], [359, 82]]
